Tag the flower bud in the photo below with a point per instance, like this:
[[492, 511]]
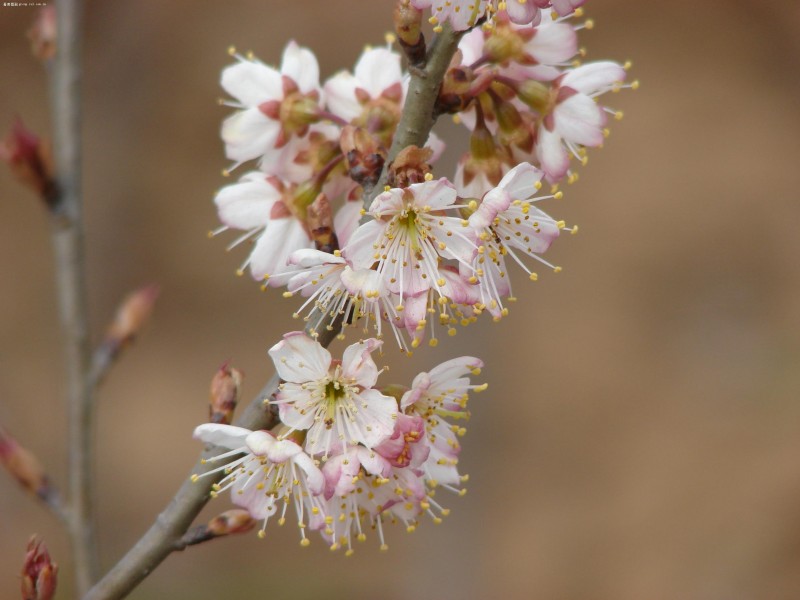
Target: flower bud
[[39, 573], [410, 166], [408, 26], [232, 521], [225, 391], [535, 94], [320, 224], [24, 466], [455, 93], [132, 315], [364, 155], [42, 34], [30, 161]]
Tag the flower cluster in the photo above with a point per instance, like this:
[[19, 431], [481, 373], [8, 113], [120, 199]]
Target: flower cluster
[[348, 457], [428, 251], [367, 236]]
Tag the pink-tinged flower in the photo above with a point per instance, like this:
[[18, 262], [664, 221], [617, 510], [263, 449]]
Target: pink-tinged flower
[[404, 448], [266, 475], [372, 96], [462, 14], [363, 490], [275, 105], [526, 12], [440, 394], [573, 118], [266, 210], [408, 235], [508, 225], [334, 401]]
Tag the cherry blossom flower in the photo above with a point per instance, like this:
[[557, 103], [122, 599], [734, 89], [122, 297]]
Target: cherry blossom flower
[[372, 96], [334, 401], [572, 117], [263, 207], [275, 105], [266, 475], [408, 235], [436, 395], [508, 225]]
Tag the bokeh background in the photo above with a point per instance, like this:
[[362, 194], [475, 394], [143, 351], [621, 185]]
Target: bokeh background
[[640, 438]]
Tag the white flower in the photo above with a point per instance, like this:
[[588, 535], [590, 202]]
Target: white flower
[[508, 225], [259, 206], [574, 118], [335, 402], [409, 234], [275, 105], [437, 395], [269, 475], [372, 97]]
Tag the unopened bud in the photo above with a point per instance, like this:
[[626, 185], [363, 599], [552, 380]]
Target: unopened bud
[[24, 466], [42, 34], [408, 26], [225, 391], [30, 161], [320, 224], [231, 522], [534, 94], [411, 166], [39, 573], [132, 316], [364, 155]]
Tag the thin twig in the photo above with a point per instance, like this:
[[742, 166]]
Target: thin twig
[[165, 535], [67, 234]]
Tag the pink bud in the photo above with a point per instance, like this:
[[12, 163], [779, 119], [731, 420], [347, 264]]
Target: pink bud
[[230, 522], [23, 465], [132, 315], [42, 34], [30, 160], [39, 573], [225, 391]]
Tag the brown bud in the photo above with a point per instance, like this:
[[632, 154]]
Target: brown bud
[[363, 153], [42, 34], [30, 161], [39, 573], [132, 315], [410, 166], [225, 390], [230, 522], [24, 466], [320, 224], [408, 26]]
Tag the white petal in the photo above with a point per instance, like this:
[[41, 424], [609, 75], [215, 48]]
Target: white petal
[[260, 442], [345, 221], [360, 249], [227, 436], [520, 182], [357, 363], [246, 204], [280, 239], [551, 153], [301, 65], [437, 194], [376, 417], [593, 77], [300, 359], [309, 257], [377, 70], [553, 44], [340, 96], [252, 82], [248, 134], [314, 477], [579, 120]]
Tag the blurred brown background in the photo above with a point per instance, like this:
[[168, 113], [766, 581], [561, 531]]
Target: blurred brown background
[[640, 438]]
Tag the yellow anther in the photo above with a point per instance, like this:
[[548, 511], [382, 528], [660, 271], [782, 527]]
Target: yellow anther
[[451, 332], [226, 173], [628, 64], [557, 270], [305, 542], [558, 195], [232, 50], [390, 38], [428, 176], [287, 294], [534, 277], [561, 224], [481, 388], [635, 84], [574, 230], [195, 477], [618, 115], [589, 24], [433, 342]]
